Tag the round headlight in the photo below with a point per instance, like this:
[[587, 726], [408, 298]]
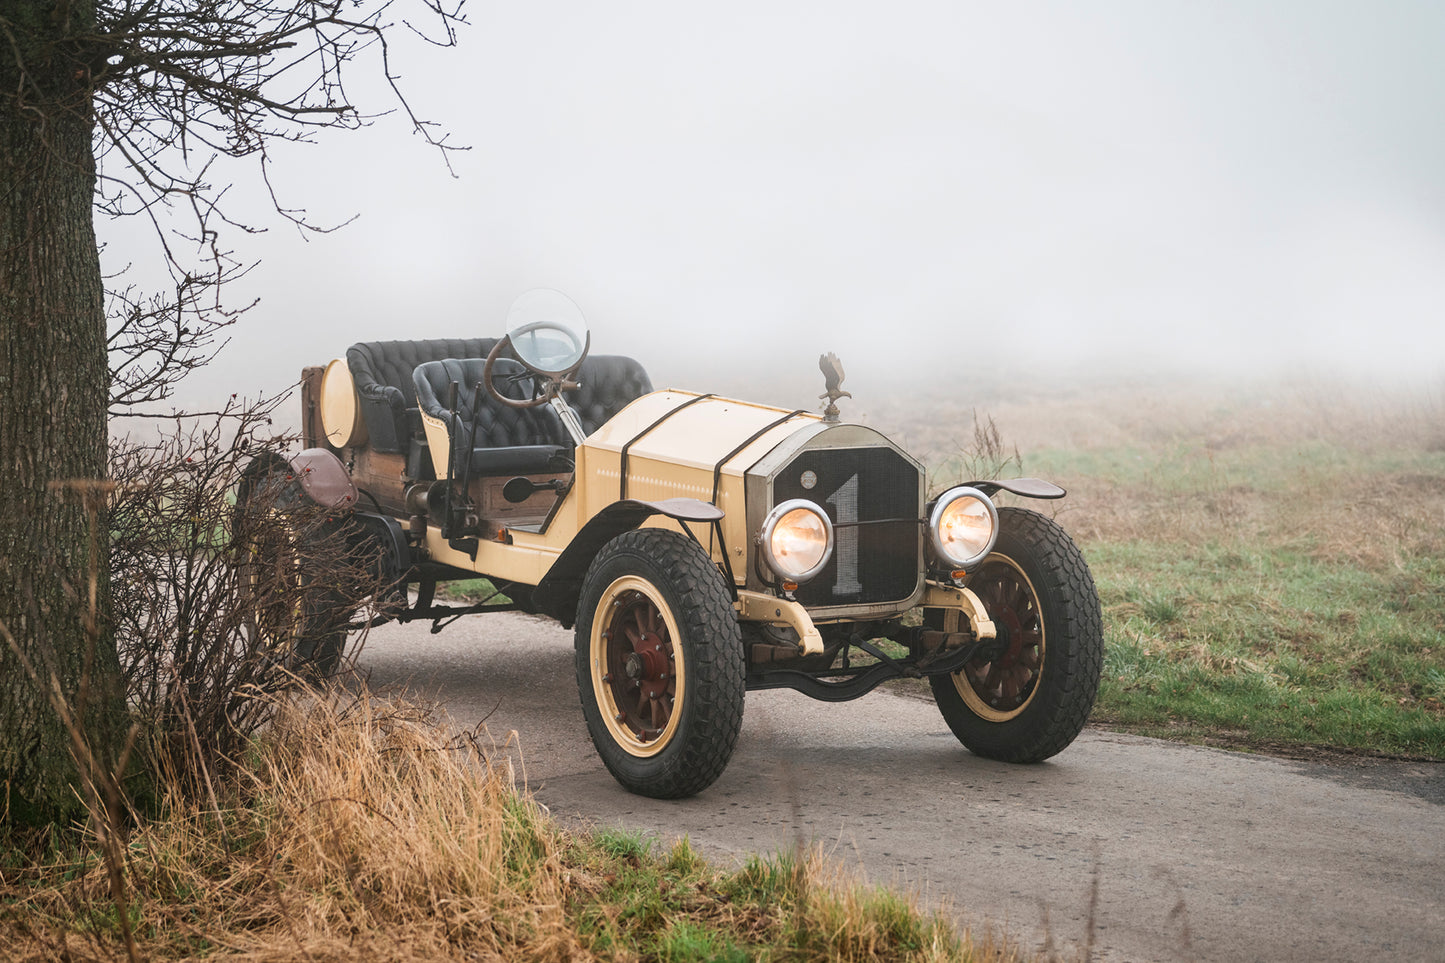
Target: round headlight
[[964, 526], [797, 539]]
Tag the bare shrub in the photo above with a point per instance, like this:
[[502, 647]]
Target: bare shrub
[[218, 600]]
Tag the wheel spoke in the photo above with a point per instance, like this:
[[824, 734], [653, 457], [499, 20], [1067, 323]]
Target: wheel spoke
[[633, 632], [1006, 683], [1018, 600], [639, 631], [1024, 676], [990, 678]]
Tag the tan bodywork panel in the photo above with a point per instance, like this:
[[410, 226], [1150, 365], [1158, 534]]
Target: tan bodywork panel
[[438, 442], [675, 459]]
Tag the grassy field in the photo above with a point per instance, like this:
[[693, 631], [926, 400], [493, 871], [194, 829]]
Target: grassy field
[[1270, 558]]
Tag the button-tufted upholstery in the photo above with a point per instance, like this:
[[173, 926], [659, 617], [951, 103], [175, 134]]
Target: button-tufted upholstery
[[509, 441], [382, 372], [609, 383]]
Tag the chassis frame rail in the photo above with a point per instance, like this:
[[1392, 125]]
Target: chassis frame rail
[[852, 683]]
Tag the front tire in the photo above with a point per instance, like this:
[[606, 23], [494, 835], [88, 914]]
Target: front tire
[[660, 666], [1030, 700]]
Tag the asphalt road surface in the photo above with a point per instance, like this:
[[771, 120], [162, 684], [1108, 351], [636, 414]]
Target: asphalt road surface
[[1198, 853]]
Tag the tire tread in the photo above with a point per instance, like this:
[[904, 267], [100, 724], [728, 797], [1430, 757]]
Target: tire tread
[[716, 668], [1073, 657]]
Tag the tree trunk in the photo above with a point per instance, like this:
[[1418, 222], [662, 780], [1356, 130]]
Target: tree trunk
[[53, 398]]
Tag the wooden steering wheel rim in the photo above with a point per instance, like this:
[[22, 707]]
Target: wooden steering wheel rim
[[492, 356]]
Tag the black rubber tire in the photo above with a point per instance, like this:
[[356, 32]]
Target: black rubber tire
[[1054, 704], [309, 639], [321, 641], [666, 572]]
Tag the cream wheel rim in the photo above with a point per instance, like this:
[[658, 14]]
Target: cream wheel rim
[[638, 671]]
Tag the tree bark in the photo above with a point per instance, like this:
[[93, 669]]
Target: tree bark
[[53, 398]]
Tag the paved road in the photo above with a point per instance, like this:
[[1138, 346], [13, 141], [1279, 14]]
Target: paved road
[[1199, 854]]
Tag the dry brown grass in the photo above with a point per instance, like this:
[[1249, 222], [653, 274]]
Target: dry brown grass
[[1143, 412], [364, 829], [362, 832]]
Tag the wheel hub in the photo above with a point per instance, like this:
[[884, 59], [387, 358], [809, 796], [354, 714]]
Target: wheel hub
[[995, 648], [634, 666]]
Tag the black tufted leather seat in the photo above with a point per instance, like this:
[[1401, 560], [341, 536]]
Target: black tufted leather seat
[[608, 383], [382, 373], [509, 441]]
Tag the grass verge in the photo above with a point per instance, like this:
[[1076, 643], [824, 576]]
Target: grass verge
[[1221, 643], [365, 830]]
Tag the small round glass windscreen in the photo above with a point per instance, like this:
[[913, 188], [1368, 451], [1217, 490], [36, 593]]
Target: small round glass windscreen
[[548, 331]]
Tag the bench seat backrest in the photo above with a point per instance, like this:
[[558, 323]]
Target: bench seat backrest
[[383, 374], [381, 371], [609, 383]]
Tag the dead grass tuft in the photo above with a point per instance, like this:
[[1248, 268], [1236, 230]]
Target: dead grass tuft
[[360, 831]]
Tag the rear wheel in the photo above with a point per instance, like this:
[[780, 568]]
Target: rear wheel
[[294, 607], [1028, 697], [660, 665]]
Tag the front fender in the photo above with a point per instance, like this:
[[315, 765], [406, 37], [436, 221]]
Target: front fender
[[323, 479], [1027, 487], [556, 595]]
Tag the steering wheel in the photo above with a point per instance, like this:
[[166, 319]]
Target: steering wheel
[[533, 357]]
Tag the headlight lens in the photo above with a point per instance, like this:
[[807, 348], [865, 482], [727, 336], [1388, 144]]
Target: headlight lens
[[797, 539], [964, 526]]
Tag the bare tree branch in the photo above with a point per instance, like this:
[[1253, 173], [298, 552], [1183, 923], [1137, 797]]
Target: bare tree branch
[[173, 86]]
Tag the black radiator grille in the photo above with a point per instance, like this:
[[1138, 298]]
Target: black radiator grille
[[871, 494]]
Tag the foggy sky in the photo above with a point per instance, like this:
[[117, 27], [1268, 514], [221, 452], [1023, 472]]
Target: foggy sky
[[956, 187]]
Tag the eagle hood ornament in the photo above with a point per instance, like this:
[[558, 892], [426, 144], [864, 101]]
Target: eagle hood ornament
[[832, 370]]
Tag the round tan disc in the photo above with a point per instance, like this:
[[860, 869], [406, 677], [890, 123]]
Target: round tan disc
[[340, 409]]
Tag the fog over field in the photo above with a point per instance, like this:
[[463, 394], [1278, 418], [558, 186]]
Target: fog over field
[[952, 192]]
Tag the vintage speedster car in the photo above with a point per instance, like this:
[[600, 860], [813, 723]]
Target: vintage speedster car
[[700, 545]]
